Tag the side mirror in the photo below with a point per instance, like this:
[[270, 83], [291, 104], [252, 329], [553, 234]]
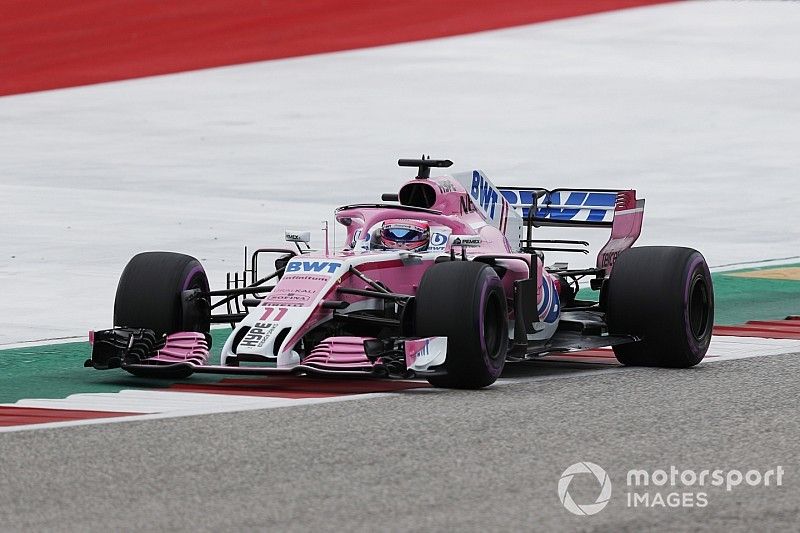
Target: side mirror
[[281, 262]]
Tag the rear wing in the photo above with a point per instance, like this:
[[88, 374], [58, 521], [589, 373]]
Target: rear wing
[[619, 210], [563, 207]]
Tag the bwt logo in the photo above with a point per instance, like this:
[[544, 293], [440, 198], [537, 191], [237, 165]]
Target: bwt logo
[[313, 266], [564, 205], [483, 193]]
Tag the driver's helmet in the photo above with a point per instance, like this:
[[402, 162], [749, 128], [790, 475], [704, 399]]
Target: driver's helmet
[[404, 234]]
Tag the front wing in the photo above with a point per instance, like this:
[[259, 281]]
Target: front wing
[[182, 354]]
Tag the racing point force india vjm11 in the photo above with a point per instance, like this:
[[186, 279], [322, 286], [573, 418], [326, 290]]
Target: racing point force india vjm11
[[444, 281]]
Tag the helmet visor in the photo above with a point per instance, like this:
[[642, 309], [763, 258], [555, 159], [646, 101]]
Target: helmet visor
[[407, 235], [404, 235]]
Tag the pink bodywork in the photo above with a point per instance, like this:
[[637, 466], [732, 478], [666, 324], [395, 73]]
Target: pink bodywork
[[625, 229], [183, 347], [301, 291], [307, 293], [454, 210], [344, 353], [455, 213]]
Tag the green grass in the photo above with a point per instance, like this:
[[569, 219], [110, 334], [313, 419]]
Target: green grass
[[56, 371], [741, 299]]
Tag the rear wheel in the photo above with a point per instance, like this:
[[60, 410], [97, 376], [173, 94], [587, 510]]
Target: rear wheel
[[663, 295], [465, 302], [149, 294]]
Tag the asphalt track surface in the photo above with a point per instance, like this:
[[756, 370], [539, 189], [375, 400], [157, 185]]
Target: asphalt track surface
[[431, 460]]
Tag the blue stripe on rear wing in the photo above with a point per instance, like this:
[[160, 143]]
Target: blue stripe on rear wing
[[563, 207]]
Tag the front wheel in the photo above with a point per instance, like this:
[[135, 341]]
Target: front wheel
[[465, 302], [664, 296], [149, 294]]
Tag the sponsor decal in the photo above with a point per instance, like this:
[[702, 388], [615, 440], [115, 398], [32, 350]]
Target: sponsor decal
[[325, 267], [446, 186], [306, 277], [425, 349], [466, 205], [422, 354], [469, 241], [356, 237], [438, 239], [258, 335], [607, 259], [297, 236], [299, 297], [563, 202], [364, 244], [549, 305], [485, 195]]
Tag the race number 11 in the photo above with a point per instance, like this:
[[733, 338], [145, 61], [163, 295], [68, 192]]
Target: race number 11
[[268, 311]]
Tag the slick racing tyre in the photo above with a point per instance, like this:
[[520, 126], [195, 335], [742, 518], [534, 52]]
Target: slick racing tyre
[[465, 302], [664, 296], [149, 294]]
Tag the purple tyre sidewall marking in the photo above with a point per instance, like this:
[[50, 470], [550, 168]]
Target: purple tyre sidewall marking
[[693, 343], [192, 273], [187, 281], [488, 283]]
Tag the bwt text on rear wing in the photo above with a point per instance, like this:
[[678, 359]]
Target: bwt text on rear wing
[[619, 210]]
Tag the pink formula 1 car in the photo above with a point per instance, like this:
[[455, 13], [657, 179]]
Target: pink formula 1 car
[[444, 280]]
